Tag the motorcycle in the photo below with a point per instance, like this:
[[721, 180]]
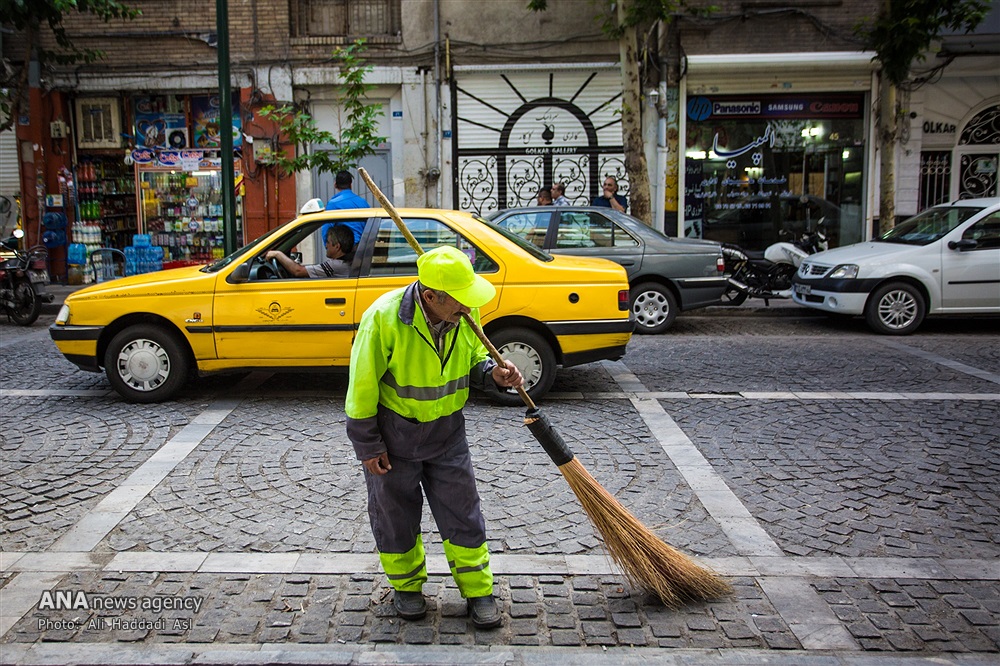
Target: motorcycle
[[770, 277], [23, 276]]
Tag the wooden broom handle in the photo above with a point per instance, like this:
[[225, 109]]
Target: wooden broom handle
[[389, 208], [497, 357]]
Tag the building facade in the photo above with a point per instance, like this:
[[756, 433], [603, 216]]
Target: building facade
[[758, 119]]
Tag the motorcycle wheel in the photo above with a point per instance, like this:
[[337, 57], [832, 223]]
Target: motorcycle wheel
[[27, 305], [781, 277]]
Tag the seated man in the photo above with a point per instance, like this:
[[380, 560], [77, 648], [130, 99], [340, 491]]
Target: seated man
[[339, 243]]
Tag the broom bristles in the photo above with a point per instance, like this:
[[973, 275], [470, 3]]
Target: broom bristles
[[647, 561]]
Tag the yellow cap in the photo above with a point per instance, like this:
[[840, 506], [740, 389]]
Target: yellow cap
[[448, 269]]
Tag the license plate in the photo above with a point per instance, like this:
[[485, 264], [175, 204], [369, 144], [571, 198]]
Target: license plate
[[38, 276], [803, 289]]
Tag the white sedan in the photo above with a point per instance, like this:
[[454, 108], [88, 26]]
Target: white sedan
[[945, 260]]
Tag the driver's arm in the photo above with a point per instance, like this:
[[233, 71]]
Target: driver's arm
[[294, 269]]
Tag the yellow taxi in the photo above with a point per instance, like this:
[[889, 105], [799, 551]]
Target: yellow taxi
[[148, 332]]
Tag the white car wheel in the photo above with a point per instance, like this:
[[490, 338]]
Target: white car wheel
[[896, 308]]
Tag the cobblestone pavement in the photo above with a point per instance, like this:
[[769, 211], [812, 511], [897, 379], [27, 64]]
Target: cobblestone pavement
[[847, 485]]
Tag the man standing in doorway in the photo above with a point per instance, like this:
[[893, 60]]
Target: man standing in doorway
[[412, 364], [344, 198]]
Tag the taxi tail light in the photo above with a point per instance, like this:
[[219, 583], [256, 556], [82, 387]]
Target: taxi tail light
[[623, 299], [720, 264]]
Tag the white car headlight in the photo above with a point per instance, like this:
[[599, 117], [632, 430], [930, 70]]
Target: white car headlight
[[848, 271], [63, 315]]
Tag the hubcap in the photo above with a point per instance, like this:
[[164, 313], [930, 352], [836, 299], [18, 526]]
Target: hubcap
[[143, 365], [527, 360], [650, 309], [897, 309]]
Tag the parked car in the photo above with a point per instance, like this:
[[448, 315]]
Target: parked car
[[666, 275], [946, 260], [147, 331]]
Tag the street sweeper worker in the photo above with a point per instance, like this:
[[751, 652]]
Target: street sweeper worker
[[412, 364]]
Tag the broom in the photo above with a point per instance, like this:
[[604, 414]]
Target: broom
[[647, 561]]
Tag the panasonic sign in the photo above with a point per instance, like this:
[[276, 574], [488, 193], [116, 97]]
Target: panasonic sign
[[736, 108]]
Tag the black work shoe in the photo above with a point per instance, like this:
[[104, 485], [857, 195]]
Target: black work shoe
[[484, 612], [410, 605]]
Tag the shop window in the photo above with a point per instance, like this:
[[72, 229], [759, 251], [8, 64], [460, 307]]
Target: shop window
[[345, 18], [98, 123], [766, 168]]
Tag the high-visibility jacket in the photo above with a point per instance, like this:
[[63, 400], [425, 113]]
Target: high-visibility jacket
[[395, 363]]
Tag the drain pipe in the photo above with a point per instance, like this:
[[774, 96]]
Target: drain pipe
[[437, 103]]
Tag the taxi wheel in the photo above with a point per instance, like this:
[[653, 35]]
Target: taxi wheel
[[654, 307], [533, 357], [146, 363], [896, 308]]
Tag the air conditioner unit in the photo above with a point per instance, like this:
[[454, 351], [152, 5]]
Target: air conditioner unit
[[177, 138], [98, 123]]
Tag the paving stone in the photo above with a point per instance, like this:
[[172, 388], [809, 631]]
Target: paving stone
[[562, 637]]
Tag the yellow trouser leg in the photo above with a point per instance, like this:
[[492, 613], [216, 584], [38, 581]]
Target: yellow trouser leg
[[407, 571], [470, 568]]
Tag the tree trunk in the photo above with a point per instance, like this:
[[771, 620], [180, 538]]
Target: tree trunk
[[888, 119], [635, 155]]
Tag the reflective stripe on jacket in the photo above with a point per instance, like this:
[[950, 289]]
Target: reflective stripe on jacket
[[394, 363]]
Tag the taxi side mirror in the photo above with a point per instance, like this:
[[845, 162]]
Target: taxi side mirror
[[240, 274]]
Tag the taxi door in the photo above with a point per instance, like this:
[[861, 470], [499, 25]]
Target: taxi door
[[262, 319], [302, 322]]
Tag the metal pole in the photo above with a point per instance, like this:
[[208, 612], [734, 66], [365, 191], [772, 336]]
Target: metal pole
[[226, 128]]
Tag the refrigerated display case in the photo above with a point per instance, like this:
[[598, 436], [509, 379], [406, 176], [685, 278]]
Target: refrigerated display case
[[106, 212], [182, 212]]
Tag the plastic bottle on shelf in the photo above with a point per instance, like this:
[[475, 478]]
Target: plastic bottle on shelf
[[131, 262]]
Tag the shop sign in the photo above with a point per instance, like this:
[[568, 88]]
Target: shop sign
[[144, 156], [702, 108], [205, 120], [931, 127], [169, 158]]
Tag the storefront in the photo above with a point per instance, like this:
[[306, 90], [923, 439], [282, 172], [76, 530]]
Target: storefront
[[166, 184], [763, 168], [959, 139]]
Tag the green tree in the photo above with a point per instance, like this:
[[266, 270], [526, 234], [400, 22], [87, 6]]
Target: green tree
[[358, 133], [902, 33], [33, 18], [625, 21]]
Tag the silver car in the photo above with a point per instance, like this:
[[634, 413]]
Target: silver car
[[666, 275]]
